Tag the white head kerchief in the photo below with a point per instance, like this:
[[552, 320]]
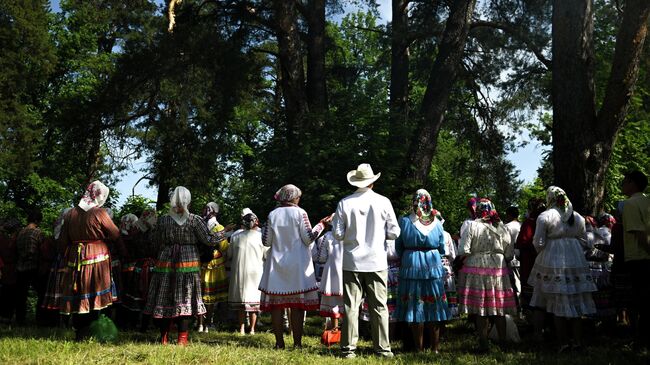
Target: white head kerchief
[[129, 221], [211, 209], [147, 220], [180, 198], [95, 196], [557, 199]]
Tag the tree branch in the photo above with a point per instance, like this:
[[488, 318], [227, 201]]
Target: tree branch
[[517, 34], [625, 67]]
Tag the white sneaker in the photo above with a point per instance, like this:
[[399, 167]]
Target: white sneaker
[[200, 329]]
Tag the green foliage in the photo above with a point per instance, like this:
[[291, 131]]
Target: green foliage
[[26, 61], [494, 179], [84, 91], [536, 189], [134, 204], [631, 152]]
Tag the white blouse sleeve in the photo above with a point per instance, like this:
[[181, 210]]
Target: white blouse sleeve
[[508, 245], [466, 240], [539, 239]]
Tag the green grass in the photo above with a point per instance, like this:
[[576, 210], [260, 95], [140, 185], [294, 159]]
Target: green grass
[[31, 345]]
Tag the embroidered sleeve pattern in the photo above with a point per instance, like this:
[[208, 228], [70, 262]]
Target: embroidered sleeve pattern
[[267, 237], [310, 234]]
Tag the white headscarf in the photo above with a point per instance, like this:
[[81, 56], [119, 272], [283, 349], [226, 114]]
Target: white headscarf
[[180, 198], [95, 196], [211, 209], [147, 220], [58, 224], [127, 223], [557, 199]]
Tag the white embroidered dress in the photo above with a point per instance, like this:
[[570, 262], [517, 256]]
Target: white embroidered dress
[[288, 280], [247, 253], [561, 280]]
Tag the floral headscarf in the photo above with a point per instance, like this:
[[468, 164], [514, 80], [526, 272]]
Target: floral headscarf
[[287, 193], [128, 223], [486, 211], [180, 198], [471, 206], [606, 220], [249, 221], [556, 198], [422, 207], [439, 217], [95, 196], [147, 220]]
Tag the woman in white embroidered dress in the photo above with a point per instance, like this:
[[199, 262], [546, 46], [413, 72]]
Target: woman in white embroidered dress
[[247, 253], [561, 279], [288, 279]]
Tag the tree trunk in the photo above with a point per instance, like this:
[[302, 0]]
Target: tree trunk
[[93, 157], [316, 86], [291, 66], [441, 80], [582, 139], [399, 74]]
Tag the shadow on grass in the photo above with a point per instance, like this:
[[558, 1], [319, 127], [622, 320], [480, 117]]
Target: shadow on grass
[[458, 345]]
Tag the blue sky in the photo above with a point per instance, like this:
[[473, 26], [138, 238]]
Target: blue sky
[[527, 159]]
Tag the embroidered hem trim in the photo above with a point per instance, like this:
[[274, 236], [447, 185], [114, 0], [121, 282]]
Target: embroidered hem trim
[[287, 293]]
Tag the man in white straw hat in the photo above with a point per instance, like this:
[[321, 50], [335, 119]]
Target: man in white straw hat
[[363, 222]]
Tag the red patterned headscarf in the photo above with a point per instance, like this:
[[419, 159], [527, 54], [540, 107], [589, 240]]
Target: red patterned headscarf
[[422, 207], [486, 212], [606, 220], [471, 206]]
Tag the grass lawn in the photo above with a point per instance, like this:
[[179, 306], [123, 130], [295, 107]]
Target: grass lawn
[[31, 345]]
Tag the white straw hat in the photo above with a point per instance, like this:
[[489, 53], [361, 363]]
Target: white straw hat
[[362, 176]]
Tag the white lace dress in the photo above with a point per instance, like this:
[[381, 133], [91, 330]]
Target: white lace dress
[[561, 279]]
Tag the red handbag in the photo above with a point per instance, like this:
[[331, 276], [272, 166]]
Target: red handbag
[[330, 337]]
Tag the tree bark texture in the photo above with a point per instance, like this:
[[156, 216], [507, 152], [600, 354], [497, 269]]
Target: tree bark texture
[[583, 138], [291, 67], [399, 73], [443, 74], [316, 73]]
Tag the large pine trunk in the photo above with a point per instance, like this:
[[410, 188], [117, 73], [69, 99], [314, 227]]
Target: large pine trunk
[[316, 86], [399, 73], [583, 138], [443, 75], [291, 67]]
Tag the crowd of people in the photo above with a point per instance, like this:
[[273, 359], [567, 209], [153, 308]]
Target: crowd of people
[[362, 262]]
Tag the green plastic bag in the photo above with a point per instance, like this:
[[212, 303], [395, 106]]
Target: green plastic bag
[[103, 329]]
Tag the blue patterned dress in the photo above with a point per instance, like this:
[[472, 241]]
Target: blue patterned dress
[[421, 293]]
